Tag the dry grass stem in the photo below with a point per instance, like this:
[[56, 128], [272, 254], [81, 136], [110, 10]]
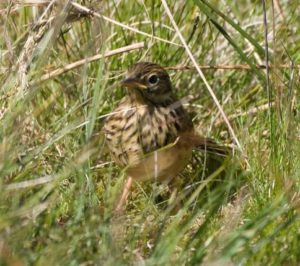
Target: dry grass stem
[[81, 62], [85, 9], [251, 111], [29, 183], [202, 76], [231, 67]]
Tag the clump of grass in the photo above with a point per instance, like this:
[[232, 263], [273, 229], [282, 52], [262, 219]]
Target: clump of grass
[[58, 184]]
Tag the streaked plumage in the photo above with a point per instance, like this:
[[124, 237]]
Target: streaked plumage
[[149, 132], [145, 122]]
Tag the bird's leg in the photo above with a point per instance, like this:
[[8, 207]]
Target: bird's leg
[[175, 201], [122, 201], [118, 225]]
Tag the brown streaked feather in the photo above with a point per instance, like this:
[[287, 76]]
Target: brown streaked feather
[[141, 130], [205, 144], [150, 132]]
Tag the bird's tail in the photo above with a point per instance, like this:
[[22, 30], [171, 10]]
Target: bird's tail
[[210, 146], [205, 144]]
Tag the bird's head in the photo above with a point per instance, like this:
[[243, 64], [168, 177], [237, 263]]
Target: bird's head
[[149, 80]]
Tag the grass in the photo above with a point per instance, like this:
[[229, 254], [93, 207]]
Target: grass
[[58, 184]]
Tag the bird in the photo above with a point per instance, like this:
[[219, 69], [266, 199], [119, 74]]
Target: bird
[[149, 133]]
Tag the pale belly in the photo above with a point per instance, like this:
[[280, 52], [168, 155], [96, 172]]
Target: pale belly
[[163, 164], [147, 144]]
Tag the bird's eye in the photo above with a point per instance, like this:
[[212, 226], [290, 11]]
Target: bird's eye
[[153, 79]]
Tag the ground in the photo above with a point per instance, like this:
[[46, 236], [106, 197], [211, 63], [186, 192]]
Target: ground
[[58, 183]]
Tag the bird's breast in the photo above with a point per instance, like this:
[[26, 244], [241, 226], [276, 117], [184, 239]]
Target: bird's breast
[[134, 133]]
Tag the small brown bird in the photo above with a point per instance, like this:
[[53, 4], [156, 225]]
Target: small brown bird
[[149, 132]]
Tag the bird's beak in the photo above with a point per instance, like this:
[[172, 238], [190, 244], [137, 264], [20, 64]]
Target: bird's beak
[[132, 83]]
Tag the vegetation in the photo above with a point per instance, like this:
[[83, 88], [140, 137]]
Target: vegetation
[[58, 184]]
